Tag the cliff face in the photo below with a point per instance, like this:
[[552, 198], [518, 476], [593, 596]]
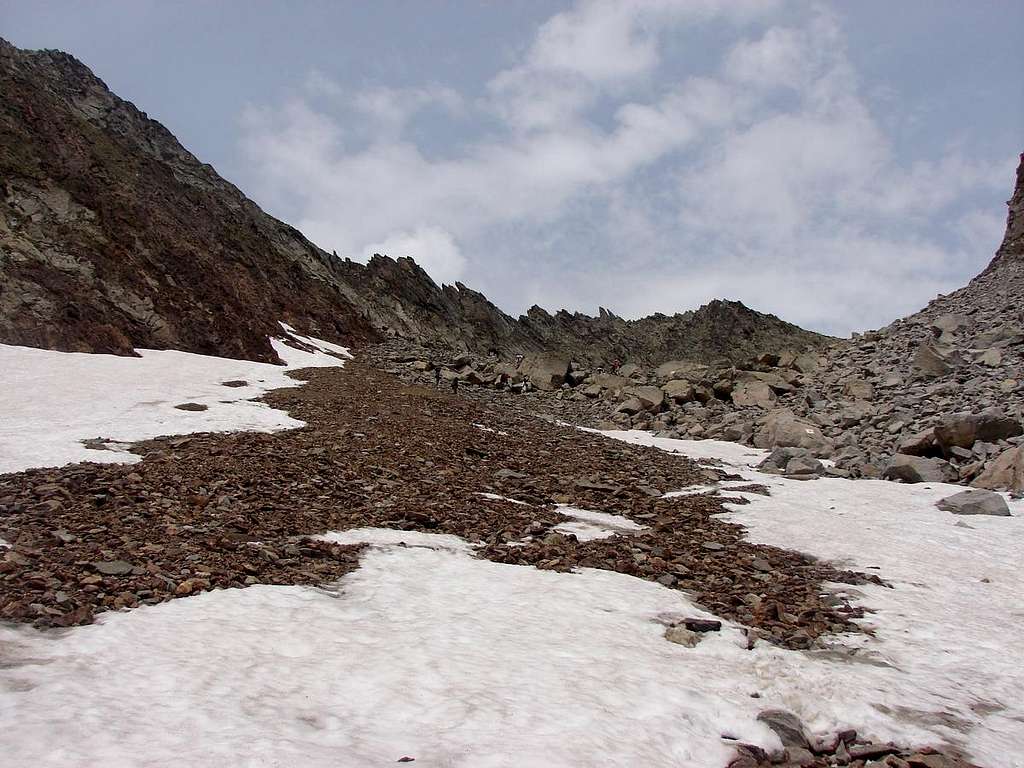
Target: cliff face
[[1012, 247], [114, 236]]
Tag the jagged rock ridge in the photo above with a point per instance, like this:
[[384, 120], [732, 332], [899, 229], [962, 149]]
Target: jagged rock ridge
[[114, 236]]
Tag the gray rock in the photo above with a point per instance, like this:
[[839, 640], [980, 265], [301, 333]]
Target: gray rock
[[1004, 473], [753, 393], [858, 389], [680, 635], [652, 399], [964, 429], [929, 362], [804, 465], [917, 469], [678, 390], [782, 429], [113, 567], [546, 371], [787, 727], [975, 502]]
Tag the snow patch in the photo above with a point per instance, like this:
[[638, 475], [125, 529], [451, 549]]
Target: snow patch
[[484, 428], [946, 629], [588, 525], [55, 400], [496, 497]]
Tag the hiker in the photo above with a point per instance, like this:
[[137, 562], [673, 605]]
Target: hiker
[[503, 381], [455, 386], [519, 361], [527, 384], [616, 364], [437, 377]]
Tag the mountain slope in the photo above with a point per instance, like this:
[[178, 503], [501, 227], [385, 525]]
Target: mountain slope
[[114, 236]]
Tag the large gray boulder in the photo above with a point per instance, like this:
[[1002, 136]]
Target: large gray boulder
[[962, 430], [609, 381], [975, 502], [917, 469], [547, 371], [782, 429], [651, 398], [753, 393], [1004, 473], [679, 369], [931, 362], [858, 389], [679, 390]]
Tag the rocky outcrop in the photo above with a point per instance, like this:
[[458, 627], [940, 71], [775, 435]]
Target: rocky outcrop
[[113, 236]]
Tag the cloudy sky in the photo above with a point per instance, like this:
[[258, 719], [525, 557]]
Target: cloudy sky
[[837, 164]]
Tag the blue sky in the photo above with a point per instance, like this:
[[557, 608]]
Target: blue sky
[[837, 164]]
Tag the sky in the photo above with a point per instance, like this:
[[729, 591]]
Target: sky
[[836, 164]]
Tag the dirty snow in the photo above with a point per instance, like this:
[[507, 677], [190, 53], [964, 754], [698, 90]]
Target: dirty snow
[[588, 525], [948, 628], [54, 400]]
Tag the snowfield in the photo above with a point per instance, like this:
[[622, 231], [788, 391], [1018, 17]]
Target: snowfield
[[52, 401], [426, 651]]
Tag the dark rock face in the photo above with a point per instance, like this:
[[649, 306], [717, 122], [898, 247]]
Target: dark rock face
[[113, 236]]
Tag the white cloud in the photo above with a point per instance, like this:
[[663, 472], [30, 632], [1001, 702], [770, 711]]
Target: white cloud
[[766, 177]]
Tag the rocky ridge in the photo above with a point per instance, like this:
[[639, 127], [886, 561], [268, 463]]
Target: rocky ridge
[[936, 396], [113, 236]]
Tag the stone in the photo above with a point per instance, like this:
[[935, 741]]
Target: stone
[[702, 625], [949, 323], [628, 370], [609, 381], [804, 465], [782, 429], [651, 398], [928, 362], [678, 390], [964, 429], [918, 444], [993, 358], [676, 369], [807, 363], [779, 459], [858, 389], [975, 502], [1004, 473], [753, 393], [113, 567], [630, 406], [547, 371], [680, 635], [917, 469], [191, 407], [786, 726]]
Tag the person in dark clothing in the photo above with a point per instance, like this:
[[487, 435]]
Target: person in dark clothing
[[437, 377], [455, 386]]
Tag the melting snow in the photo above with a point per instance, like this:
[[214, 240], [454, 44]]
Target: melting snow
[[588, 525], [948, 628], [55, 400]]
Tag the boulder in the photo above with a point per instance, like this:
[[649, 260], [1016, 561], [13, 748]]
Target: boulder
[[949, 324], [993, 358], [628, 370], [631, 406], [779, 458], [931, 361], [651, 398], [753, 393], [918, 469], [678, 390], [1004, 473], [679, 369], [807, 363], [780, 385], [804, 466], [964, 429], [547, 371], [975, 502], [609, 381], [919, 444], [858, 389], [782, 429]]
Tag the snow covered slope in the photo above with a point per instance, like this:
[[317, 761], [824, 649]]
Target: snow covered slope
[[52, 401]]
